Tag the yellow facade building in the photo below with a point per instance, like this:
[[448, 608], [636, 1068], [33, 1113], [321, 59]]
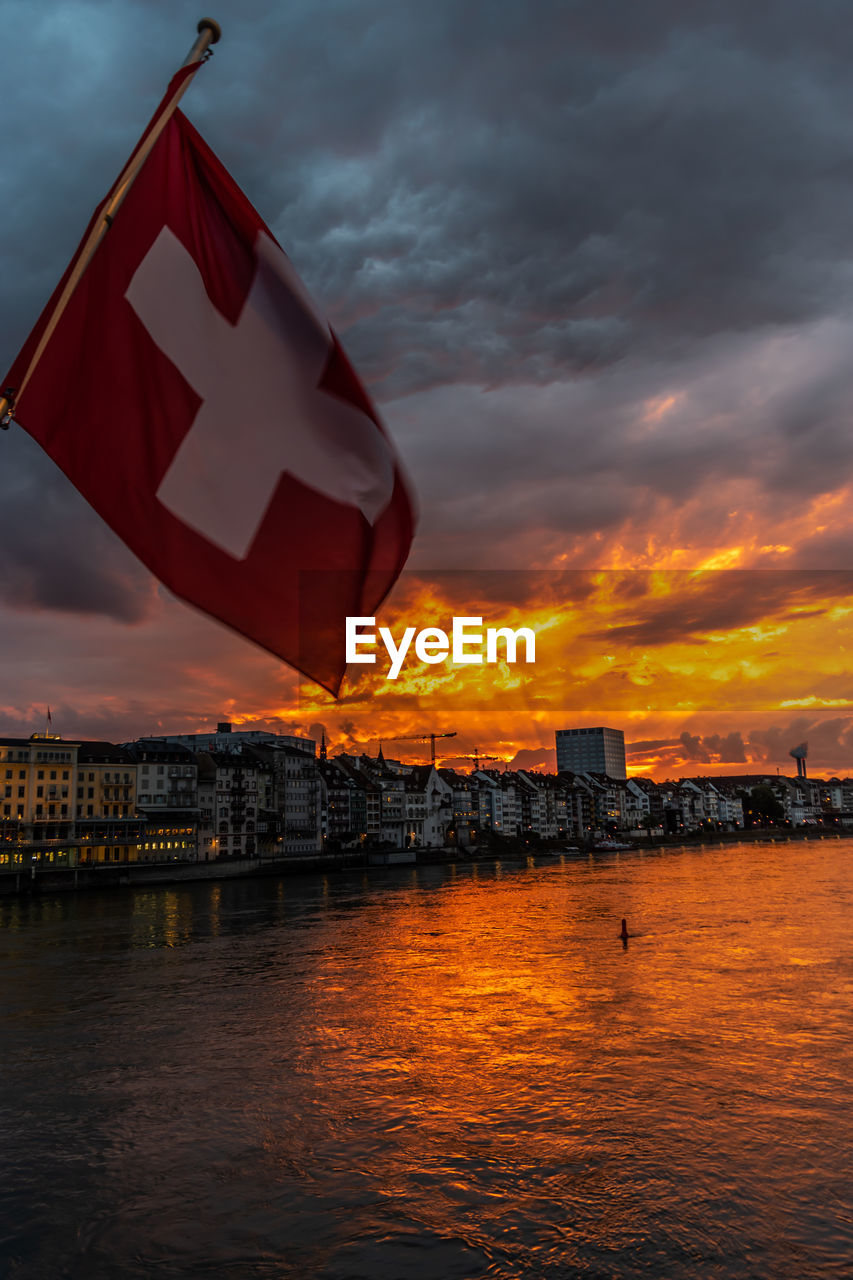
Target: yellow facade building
[[66, 803]]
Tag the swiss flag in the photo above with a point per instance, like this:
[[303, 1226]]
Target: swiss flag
[[193, 395]]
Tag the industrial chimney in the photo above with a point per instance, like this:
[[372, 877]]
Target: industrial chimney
[[799, 754]]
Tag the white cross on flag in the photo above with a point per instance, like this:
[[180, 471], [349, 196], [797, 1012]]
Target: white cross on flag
[[193, 395]]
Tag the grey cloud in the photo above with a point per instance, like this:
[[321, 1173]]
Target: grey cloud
[[55, 553], [576, 211], [830, 743], [722, 748], [650, 744], [830, 746], [694, 748], [673, 188], [541, 759], [544, 197], [719, 600], [714, 748]]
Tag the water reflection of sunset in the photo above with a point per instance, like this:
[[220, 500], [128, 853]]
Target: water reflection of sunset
[[505, 1055], [455, 1071]]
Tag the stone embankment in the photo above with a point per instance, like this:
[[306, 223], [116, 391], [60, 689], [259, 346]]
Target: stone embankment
[[49, 880]]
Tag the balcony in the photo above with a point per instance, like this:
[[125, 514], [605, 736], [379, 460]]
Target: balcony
[[181, 799]]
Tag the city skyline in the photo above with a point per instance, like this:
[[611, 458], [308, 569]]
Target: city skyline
[[238, 794]]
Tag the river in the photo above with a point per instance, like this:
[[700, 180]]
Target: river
[[436, 1073]]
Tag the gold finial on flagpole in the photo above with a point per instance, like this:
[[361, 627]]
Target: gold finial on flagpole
[[209, 32]]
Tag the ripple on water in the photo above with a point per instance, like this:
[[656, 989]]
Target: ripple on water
[[436, 1074]]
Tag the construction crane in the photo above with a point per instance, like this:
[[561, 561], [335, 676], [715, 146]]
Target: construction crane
[[424, 737], [476, 757]]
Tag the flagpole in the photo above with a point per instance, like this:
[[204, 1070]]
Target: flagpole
[[209, 32]]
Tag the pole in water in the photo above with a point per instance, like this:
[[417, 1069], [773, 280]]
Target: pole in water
[[624, 935]]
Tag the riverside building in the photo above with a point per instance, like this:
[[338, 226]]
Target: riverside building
[[597, 750]]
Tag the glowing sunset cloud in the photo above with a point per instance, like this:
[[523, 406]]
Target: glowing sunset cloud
[[659, 654]]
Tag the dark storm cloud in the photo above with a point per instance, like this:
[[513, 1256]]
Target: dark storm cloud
[[724, 600], [649, 744], [534, 199], [486, 195], [539, 759], [830, 742], [634, 448], [55, 553], [714, 748], [527, 222]]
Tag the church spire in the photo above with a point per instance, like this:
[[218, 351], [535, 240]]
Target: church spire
[[323, 744], [380, 759]]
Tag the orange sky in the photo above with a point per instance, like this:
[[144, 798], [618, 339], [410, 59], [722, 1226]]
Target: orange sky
[[744, 664], [712, 669]]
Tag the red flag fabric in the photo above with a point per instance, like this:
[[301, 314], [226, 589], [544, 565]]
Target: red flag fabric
[[196, 399]]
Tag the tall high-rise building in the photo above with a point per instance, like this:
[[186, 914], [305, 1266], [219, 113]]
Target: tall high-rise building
[[597, 750]]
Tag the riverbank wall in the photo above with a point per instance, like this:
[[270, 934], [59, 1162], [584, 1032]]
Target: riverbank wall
[[135, 874], [50, 880]]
